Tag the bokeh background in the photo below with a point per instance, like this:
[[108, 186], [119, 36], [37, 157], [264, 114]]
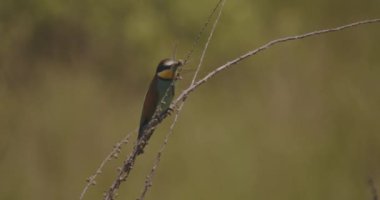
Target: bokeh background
[[299, 121]]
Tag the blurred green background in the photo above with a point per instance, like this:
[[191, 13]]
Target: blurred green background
[[300, 121]]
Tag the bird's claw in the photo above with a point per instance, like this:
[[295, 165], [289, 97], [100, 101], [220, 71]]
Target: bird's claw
[[178, 77], [169, 111]]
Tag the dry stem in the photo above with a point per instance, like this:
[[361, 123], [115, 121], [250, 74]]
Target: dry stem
[[149, 178], [128, 164], [113, 154], [186, 92]]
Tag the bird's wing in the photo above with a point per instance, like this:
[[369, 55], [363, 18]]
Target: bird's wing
[[150, 104]]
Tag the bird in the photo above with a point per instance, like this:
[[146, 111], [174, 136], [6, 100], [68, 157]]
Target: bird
[[160, 93]]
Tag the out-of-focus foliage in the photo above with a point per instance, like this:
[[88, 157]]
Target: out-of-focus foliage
[[300, 121]]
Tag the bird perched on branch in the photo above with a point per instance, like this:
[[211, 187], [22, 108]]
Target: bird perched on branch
[[160, 93]]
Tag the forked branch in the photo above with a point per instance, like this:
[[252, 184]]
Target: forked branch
[[128, 164], [186, 92]]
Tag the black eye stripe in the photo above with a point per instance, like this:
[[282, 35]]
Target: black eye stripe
[[166, 64], [162, 68]]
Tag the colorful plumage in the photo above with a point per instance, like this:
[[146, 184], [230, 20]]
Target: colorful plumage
[[160, 93]]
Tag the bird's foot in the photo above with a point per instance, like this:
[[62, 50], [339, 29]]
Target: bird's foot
[[169, 111], [178, 77]]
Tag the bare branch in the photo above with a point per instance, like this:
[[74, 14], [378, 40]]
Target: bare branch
[[208, 42], [113, 154], [139, 147], [186, 92], [187, 57], [156, 119], [149, 178]]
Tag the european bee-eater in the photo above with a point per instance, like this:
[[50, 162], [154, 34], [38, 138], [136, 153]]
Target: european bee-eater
[[160, 93]]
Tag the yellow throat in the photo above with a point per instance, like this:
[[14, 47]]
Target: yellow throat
[[166, 74]]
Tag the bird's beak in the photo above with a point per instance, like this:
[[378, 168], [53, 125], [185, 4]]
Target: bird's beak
[[178, 64]]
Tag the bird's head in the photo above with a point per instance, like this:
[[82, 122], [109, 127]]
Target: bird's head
[[167, 68]]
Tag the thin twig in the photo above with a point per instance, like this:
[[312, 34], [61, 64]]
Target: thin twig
[[113, 154], [128, 164], [208, 42], [186, 92], [156, 119], [198, 37], [149, 178]]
